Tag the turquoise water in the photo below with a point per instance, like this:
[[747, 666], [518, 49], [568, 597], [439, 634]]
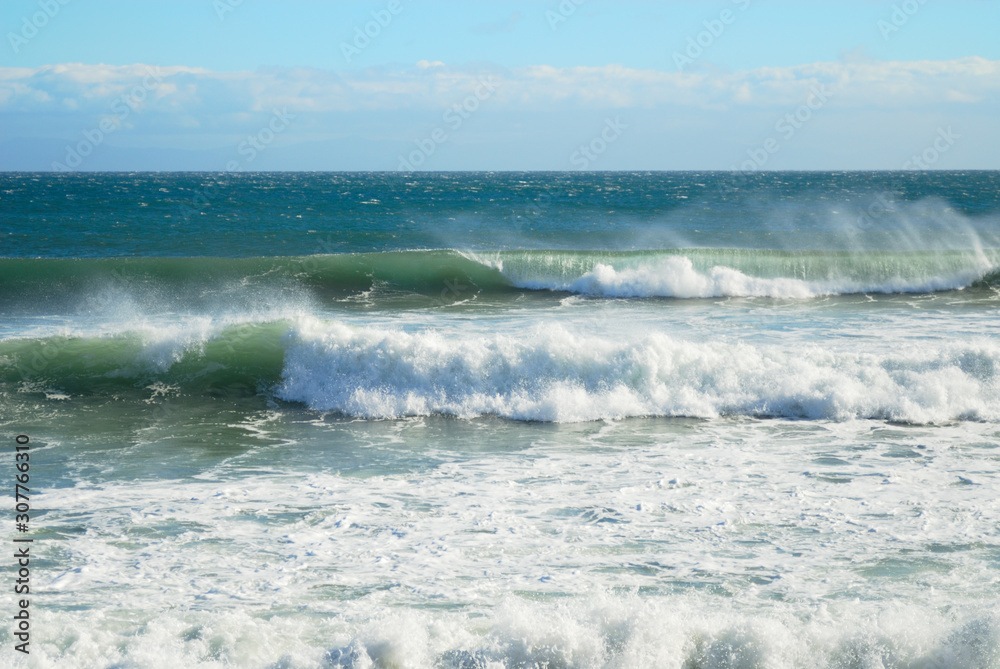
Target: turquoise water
[[256, 215], [507, 420]]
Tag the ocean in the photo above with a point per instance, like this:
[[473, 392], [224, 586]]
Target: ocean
[[482, 420]]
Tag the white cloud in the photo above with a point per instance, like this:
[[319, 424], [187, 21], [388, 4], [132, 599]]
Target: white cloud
[[199, 92], [877, 115]]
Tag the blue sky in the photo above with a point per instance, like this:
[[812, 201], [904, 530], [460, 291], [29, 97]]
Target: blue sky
[[495, 84]]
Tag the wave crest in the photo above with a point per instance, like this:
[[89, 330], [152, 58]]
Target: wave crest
[[707, 273], [551, 374], [211, 285], [677, 277], [545, 373]]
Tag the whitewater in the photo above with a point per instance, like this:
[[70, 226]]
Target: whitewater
[[507, 420]]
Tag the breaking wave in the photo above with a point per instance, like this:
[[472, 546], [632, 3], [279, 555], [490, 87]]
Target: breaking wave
[[547, 373]]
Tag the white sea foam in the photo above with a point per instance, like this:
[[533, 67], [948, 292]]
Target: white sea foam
[[678, 277], [583, 635], [549, 373], [631, 547]]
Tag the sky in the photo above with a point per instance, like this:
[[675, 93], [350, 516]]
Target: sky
[[251, 85]]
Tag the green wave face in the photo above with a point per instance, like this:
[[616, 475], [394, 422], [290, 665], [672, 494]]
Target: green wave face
[[240, 360], [214, 285], [867, 266], [545, 373], [194, 283], [408, 270]]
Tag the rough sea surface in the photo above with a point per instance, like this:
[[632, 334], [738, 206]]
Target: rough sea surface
[[477, 420]]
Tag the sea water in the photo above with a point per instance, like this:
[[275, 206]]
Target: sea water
[[689, 420]]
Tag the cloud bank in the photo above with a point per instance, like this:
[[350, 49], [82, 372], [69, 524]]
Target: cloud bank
[[145, 105], [79, 87]]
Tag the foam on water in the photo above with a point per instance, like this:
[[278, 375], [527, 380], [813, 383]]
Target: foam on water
[[678, 277], [588, 634], [531, 370], [631, 545], [550, 373]]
